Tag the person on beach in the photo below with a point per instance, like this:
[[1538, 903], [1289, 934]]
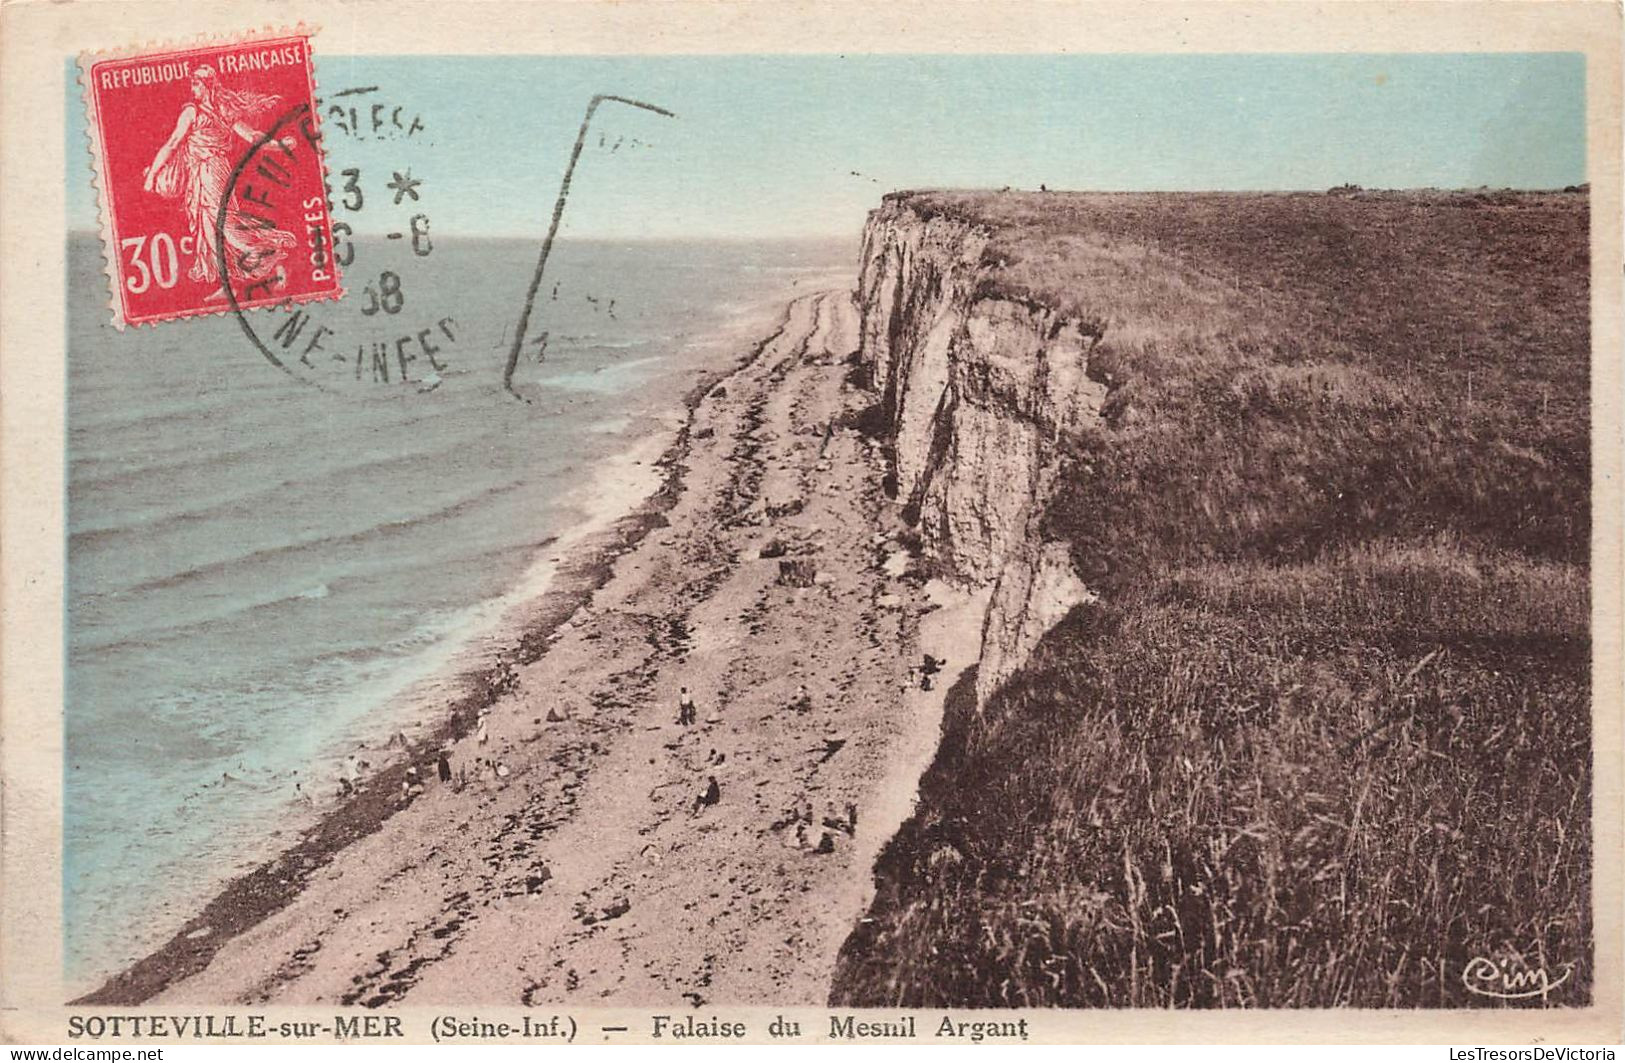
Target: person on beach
[[506, 676], [443, 766], [709, 796], [483, 730], [802, 702], [686, 713], [804, 823], [350, 776]]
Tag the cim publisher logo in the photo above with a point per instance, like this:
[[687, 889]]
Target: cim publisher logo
[[1511, 978]]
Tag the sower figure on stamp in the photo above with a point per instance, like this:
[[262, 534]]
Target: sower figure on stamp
[[194, 165]]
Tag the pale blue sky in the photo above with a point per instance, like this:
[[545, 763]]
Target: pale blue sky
[[766, 146]]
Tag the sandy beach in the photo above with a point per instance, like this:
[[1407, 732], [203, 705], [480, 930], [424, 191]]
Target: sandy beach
[[589, 866]]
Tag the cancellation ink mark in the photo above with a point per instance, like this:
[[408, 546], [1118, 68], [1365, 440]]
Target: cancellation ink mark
[[307, 130], [553, 229]]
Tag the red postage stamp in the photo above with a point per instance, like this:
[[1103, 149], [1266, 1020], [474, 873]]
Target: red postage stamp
[[208, 165]]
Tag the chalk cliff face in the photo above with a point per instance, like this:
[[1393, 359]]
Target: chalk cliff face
[[979, 391]]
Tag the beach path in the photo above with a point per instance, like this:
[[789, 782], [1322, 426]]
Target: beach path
[[589, 874]]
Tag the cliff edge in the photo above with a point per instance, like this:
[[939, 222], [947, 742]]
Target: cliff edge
[[1318, 467], [982, 391]]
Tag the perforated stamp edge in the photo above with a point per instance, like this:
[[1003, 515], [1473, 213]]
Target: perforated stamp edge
[[98, 160]]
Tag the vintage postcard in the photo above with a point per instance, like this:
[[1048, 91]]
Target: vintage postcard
[[802, 523]]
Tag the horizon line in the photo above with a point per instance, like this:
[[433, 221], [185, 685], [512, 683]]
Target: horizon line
[[834, 234]]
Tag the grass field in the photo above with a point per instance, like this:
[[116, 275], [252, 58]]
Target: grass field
[[1327, 738]]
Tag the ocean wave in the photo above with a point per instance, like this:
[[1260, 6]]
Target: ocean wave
[[151, 637], [151, 523], [92, 417], [380, 530], [601, 379], [145, 420], [613, 345], [128, 474], [84, 473], [161, 463], [155, 522]]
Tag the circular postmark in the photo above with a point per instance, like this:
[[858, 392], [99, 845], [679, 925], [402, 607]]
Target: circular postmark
[[397, 325], [418, 310]]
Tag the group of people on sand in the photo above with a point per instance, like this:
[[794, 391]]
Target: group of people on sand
[[352, 773], [711, 793], [799, 823], [688, 714], [352, 770], [488, 771], [504, 677], [799, 826]]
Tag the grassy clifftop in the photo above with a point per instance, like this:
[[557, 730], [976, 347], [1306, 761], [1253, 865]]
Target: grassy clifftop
[[1327, 739]]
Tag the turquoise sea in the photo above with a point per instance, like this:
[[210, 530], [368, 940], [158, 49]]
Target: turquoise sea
[[263, 575]]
